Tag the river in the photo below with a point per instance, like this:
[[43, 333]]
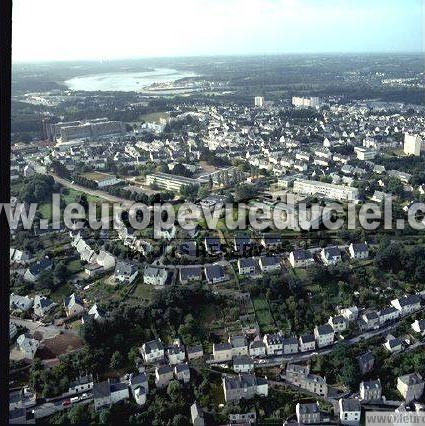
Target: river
[[126, 81]]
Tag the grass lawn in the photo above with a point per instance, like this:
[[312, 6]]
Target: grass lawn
[[70, 194], [46, 210], [74, 266], [154, 116], [63, 291], [143, 291], [262, 311]]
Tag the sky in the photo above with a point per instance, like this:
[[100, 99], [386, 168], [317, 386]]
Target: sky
[[45, 30]]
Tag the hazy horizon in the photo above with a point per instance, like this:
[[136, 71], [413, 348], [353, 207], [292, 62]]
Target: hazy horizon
[[49, 31]]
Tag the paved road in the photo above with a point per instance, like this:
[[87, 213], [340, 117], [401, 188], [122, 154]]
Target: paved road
[[95, 192]]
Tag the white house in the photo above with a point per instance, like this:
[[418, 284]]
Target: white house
[[155, 276], [330, 255], [274, 343], [20, 303], [125, 272], [152, 351], [301, 258], [307, 343], [419, 327], [73, 305], [243, 364], [324, 335], [42, 305], [27, 345], [349, 411], [358, 251], [257, 348], [338, 323], [407, 304], [222, 351]]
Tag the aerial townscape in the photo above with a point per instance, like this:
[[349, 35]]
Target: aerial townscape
[[217, 325]]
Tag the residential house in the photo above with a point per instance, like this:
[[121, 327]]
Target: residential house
[[244, 419], [239, 345], [393, 344], [369, 321], [301, 258], [194, 352], [295, 373], [366, 362], [163, 375], [222, 352], [270, 241], [273, 343], [324, 335], [338, 323], [308, 413], [358, 251], [176, 353], [105, 394], [212, 245], [155, 276], [215, 274], [74, 305], [270, 264], [330, 255], [257, 348], [290, 345], [419, 327], [244, 386], [125, 272], [81, 384], [243, 364], [42, 305], [152, 351], [139, 387], [197, 415], [247, 266], [349, 411], [190, 274], [13, 330], [307, 343], [411, 386], [407, 304], [371, 391], [241, 243], [300, 376], [350, 314], [388, 314], [27, 345], [34, 271], [96, 313], [18, 256], [20, 303], [182, 373]]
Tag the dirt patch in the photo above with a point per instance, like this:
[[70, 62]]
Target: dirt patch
[[59, 345]]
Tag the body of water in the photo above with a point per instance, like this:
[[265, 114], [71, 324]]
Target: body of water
[[126, 81]]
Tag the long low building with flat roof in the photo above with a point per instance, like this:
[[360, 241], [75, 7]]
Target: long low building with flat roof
[[170, 182], [328, 190]]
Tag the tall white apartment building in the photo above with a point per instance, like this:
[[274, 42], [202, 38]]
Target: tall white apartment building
[[259, 101], [311, 101], [328, 190], [412, 144]]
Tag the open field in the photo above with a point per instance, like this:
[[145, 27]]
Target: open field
[[155, 116], [262, 311]]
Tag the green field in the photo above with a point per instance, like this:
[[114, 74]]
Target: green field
[[154, 116], [262, 311]]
